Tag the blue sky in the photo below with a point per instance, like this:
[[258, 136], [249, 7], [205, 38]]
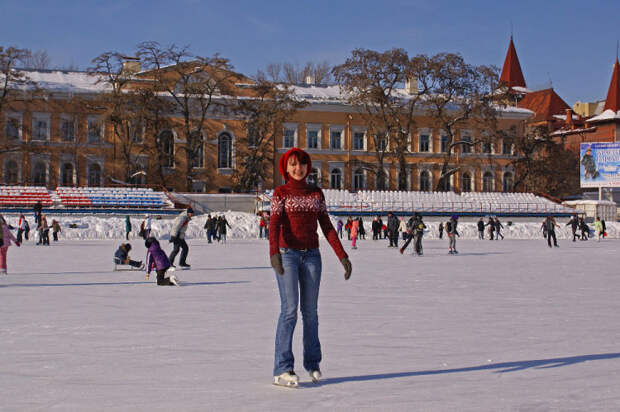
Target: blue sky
[[570, 43]]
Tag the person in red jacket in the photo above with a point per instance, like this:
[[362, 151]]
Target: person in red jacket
[[296, 207]]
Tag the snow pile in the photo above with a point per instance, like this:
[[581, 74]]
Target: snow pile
[[245, 226]]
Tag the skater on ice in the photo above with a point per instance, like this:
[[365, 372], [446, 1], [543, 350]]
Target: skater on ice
[[452, 234], [177, 237], [294, 253], [157, 260], [121, 257], [5, 242], [550, 225]]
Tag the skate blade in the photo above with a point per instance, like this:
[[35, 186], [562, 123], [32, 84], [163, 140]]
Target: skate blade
[[291, 385]]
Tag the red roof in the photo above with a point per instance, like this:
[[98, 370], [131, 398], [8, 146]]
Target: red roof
[[613, 94], [544, 103], [511, 72]]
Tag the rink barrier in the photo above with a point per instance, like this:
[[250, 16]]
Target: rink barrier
[[93, 211]]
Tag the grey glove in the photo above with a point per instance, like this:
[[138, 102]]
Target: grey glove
[[347, 267], [276, 262]]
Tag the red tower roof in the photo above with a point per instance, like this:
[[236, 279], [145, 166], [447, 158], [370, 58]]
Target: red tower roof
[[613, 94], [511, 72]]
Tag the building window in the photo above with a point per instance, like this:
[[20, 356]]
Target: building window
[[335, 179], [166, 146], [11, 172], [507, 147], [465, 148], [487, 147], [224, 151], [405, 184], [289, 138], [40, 128], [313, 139], [136, 131], [313, 177], [466, 184], [359, 180], [94, 175], [425, 181], [359, 140], [197, 154], [335, 137], [67, 130], [424, 143], [11, 128], [66, 175], [39, 173], [487, 182], [381, 141], [252, 135], [508, 182], [444, 143], [95, 134]]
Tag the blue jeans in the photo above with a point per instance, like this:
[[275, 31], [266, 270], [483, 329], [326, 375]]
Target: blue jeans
[[301, 279]]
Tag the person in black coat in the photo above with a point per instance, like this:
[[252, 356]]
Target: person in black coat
[[574, 224], [121, 256], [498, 229], [481, 229], [392, 229]]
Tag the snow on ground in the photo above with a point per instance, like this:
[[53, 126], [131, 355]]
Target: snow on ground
[[504, 326], [245, 225]]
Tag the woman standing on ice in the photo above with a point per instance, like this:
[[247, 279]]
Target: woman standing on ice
[[355, 226], [294, 253], [5, 242]]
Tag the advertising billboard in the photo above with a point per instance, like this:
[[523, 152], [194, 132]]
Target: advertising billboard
[[599, 164]]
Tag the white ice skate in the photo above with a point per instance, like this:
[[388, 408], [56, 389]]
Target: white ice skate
[[315, 376], [175, 281], [287, 379]]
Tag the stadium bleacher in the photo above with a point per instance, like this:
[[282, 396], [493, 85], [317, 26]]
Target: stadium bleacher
[[24, 196], [111, 197]]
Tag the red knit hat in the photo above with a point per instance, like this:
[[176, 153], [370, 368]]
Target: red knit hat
[[303, 156]]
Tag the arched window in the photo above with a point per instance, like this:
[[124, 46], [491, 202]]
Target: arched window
[[198, 154], [425, 181], [94, 175], [466, 184], [66, 175], [11, 173], [487, 182], [405, 184], [335, 179], [313, 177], [359, 180], [508, 183], [39, 174], [224, 151], [166, 146]]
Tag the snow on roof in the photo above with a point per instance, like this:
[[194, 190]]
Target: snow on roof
[[606, 115], [520, 89], [64, 81]]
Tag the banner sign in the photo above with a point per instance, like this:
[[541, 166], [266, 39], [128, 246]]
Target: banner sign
[[599, 164]]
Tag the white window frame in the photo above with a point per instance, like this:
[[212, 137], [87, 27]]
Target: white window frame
[[99, 120], [61, 164], [430, 179], [340, 129], [36, 117], [364, 179], [484, 172], [311, 127], [14, 116], [472, 181], [293, 127], [442, 134], [64, 117], [34, 160], [387, 143], [202, 150], [317, 166], [365, 139], [101, 178], [18, 162], [464, 134], [429, 133], [408, 178], [226, 170], [173, 155]]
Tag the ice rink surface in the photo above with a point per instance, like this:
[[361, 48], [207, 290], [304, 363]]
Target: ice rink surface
[[504, 326]]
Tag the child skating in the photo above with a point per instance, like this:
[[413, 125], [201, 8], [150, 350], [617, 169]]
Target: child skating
[[157, 259]]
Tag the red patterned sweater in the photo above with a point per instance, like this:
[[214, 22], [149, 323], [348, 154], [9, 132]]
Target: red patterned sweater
[[295, 209]]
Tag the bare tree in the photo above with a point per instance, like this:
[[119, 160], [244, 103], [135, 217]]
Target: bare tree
[[38, 60], [291, 73], [460, 95], [273, 72], [322, 73], [373, 83], [265, 113], [197, 85]]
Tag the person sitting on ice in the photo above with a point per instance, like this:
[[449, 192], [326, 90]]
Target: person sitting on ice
[[121, 257], [157, 259]]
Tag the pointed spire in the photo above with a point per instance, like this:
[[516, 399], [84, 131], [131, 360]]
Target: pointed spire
[[613, 94], [511, 72]]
